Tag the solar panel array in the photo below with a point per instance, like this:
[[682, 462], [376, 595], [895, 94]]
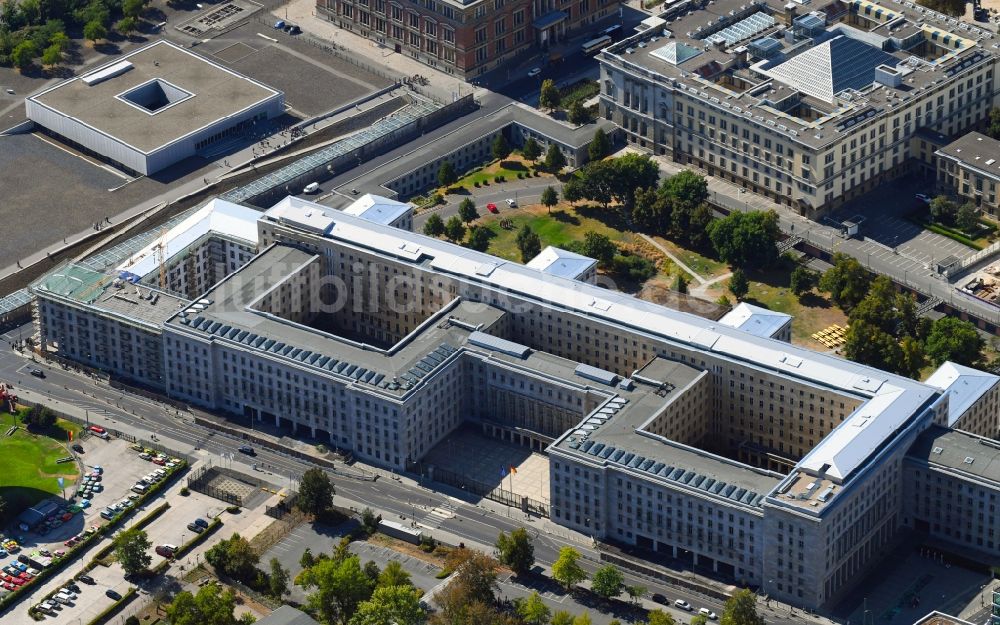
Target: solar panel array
[[743, 29], [304, 165], [320, 361], [674, 474]]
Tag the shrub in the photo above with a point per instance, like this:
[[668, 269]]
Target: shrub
[[233, 509], [520, 175], [476, 183], [185, 492]]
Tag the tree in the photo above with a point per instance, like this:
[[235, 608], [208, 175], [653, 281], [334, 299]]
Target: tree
[[994, 128], [943, 209], [528, 243], [515, 550], [39, 418], [447, 175], [555, 160], [578, 114], [479, 238], [133, 8], [454, 229], [846, 282], [659, 617], [369, 521], [562, 617], [127, 25], [235, 558], [599, 247], [741, 609], [956, 340], [911, 358], [700, 220], [434, 227], [315, 492], [340, 586], [634, 592], [746, 239], [467, 209], [501, 149], [372, 571], [475, 574], [607, 582], [739, 285], [307, 559], [802, 280], [572, 191], [686, 188], [873, 346], [390, 605], [549, 96], [699, 619], [394, 575], [132, 620], [566, 569], [967, 218], [52, 55], [211, 606], [95, 31], [582, 619], [682, 284], [550, 198], [531, 150], [533, 610], [600, 145], [277, 580], [131, 547], [24, 54]]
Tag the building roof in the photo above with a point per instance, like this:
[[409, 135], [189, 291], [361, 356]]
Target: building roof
[[940, 618], [755, 320], [976, 151], [192, 92], [963, 386], [218, 217], [287, 615], [559, 262], [974, 457], [379, 209], [832, 66], [891, 400]]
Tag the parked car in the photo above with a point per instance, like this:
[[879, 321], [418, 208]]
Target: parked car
[[492, 208], [145, 456], [926, 199], [38, 373], [534, 71], [197, 529], [511, 202], [201, 522], [165, 551], [248, 450], [683, 605], [658, 598], [77, 447], [114, 595], [708, 614], [96, 429], [159, 461]]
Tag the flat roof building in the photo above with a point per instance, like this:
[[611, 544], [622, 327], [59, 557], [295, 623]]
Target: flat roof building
[[154, 107], [972, 398], [685, 438], [759, 321], [564, 263], [969, 167], [809, 109]]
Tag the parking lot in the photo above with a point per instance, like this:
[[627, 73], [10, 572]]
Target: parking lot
[[317, 538]]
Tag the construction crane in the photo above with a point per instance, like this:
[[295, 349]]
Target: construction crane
[[160, 255]]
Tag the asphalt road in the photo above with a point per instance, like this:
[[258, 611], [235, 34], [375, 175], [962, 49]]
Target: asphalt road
[[400, 501]]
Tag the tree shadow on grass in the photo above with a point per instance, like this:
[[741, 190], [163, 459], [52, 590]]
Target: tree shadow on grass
[[812, 300], [108, 48], [513, 165], [565, 217], [610, 217]]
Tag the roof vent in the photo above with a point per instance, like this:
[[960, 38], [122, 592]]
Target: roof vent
[[969, 460], [937, 450]]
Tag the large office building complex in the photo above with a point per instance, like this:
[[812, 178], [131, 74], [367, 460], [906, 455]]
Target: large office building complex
[[711, 442], [810, 104], [465, 38]]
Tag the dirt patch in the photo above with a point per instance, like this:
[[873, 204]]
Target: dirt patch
[[436, 558]]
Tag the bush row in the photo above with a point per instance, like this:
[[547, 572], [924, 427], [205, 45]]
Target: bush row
[[198, 538], [114, 608]]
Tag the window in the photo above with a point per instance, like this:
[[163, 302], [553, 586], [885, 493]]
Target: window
[[480, 37], [499, 27], [449, 34]]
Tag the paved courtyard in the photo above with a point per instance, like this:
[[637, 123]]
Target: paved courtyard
[[487, 460]]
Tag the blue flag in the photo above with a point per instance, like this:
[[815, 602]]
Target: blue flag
[[503, 471]]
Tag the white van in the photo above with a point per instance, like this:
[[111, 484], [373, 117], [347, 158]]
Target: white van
[[140, 488], [312, 187], [62, 598]]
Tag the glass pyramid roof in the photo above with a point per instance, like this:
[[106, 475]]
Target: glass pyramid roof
[[831, 67]]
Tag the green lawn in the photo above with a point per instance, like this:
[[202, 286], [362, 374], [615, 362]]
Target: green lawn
[[508, 168], [563, 226], [706, 267], [582, 91], [29, 465]]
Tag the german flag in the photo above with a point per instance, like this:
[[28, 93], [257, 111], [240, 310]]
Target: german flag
[[512, 469]]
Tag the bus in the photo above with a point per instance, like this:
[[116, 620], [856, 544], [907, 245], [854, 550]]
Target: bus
[[596, 45], [612, 31]]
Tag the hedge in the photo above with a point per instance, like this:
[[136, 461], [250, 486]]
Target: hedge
[[12, 598], [198, 538], [114, 608], [953, 235], [141, 523]]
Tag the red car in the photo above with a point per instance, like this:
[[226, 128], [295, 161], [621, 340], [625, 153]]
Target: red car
[[162, 550], [17, 581], [9, 586], [492, 208], [159, 461], [70, 542], [96, 429]]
